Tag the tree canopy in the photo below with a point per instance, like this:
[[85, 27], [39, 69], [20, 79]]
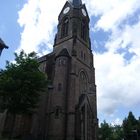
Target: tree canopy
[[21, 83], [130, 127]]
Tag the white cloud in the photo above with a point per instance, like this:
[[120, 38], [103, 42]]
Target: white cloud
[[117, 121], [121, 38], [117, 79], [111, 12], [38, 19], [117, 83]]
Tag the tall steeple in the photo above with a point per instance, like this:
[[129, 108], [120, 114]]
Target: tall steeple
[[71, 108], [73, 24], [75, 3]]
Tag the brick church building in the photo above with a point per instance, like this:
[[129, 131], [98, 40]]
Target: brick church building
[[68, 110]]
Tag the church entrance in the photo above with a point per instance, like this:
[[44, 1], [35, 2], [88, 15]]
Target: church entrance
[[84, 120]]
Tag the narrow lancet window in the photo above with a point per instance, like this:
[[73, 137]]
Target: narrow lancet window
[[64, 31], [83, 30], [83, 83]]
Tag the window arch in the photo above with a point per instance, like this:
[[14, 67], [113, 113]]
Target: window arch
[[82, 83], [65, 24], [83, 30]]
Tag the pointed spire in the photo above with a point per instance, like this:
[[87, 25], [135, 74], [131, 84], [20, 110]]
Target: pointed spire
[[75, 3]]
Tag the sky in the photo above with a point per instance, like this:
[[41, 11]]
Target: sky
[[114, 30]]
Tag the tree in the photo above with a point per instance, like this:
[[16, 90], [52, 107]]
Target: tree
[[117, 132], [109, 132], [139, 127], [105, 131], [130, 125], [129, 130], [21, 84]]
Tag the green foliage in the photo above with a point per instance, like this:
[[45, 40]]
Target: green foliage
[[105, 131], [129, 130], [20, 84], [139, 127], [130, 126], [108, 132], [117, 132]]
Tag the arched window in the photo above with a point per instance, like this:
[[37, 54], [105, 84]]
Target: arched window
[[83, 30], [83, 83], [64, 31]]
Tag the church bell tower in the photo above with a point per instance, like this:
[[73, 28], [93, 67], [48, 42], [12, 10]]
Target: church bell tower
[[70, 107]]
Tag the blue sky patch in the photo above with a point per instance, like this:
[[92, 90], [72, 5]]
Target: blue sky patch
[[99, 39], [126, 54], [9, 28]]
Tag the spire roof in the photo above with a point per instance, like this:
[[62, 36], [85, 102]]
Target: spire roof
[[2, 44], [75, 3]]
